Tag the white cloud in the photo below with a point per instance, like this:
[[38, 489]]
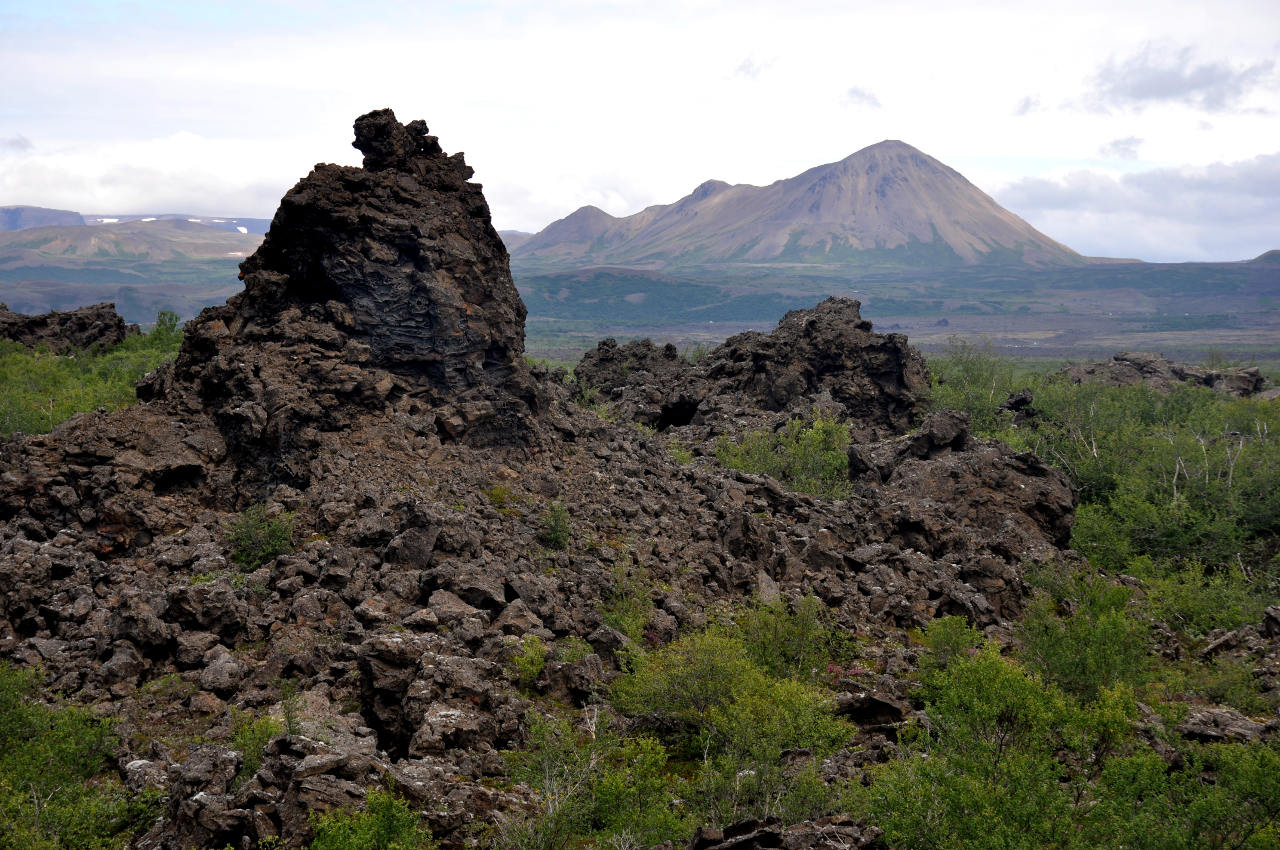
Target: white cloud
[[862, 97], [1126, 148], [1226, 211], [1161, 74], [16, 144], [1026, 105]]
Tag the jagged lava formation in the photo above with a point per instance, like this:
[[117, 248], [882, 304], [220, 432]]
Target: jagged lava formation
[[97, 326], [369, 380]]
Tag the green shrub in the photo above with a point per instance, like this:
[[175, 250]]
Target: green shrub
[[291, 706], [1230, 682], [385, 823], [796, 640], [972, 378], [557, 532], [250, 736], [572, 649], [1143, 802], [57, 778], [618, 790], [499, 495], [40, 390], [986, 774], [1194, 601], [256, 538], [947, 639], [808, 457], [705, 688], [628, 607], [530, 661], [1095, 646], [680, 453]]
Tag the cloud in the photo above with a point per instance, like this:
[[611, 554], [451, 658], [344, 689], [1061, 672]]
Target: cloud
[[1126, 148], [1026, 105], [1162, 75], [16, 144], [750, 68], [861, 97], [1225, 211]]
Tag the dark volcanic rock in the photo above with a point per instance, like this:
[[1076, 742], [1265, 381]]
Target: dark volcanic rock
[[381, 289], [1163, 375], [368, 386], [830, 833], [828, 355], [878, 381], [99, 326], [405, 244]]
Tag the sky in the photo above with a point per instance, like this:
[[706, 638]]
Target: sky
[[1122, 129]]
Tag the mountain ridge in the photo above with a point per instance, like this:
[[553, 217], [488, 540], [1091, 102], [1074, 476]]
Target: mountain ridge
[[886, 204]]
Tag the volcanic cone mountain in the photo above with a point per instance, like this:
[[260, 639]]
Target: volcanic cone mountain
[[888, 204], [367, 390]]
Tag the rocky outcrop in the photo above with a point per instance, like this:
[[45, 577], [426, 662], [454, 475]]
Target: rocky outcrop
[[368, 388], [828, 355], [96, 327], [831, 833], [406, 247], [1125, 369]]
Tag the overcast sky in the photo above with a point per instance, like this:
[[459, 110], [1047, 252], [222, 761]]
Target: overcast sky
[[1132, 129]]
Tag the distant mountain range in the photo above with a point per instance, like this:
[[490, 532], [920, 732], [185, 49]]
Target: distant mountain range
[[27, 218], [925, 251], [142, 263], [886, 206]]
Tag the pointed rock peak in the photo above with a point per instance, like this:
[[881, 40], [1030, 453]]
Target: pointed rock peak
[[890, 149], [386, 143], [394, 266], [709, 188], [589, 213], [891, 146]]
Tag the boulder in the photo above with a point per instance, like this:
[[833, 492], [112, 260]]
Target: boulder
[[95, 327], [1163, 375]]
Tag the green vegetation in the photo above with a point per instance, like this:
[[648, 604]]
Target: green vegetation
[[1011, 760], [57, 783], [250, 735], [385, 823], [811, 457], [711, 715], [1180, 490], [557, 531], [628, 607], [256, 538], [529, 662], [1083, 639], [43, 389], [1033, 744]]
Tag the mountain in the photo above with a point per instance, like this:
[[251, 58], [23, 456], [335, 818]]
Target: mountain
[[228, 223], [22, 218], [888, 205], [154, 240], [142, 266], [514, 238]]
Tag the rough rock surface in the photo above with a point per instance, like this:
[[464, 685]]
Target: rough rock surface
[[98, 326], [368, 384], [1163, 375], [831, 833], [828, 354]]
